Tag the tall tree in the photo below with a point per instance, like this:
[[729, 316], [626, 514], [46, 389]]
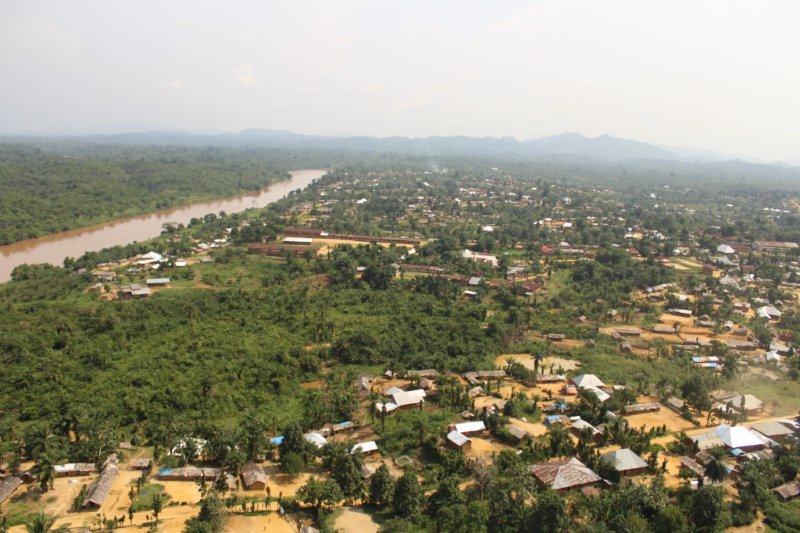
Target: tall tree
[[408, 496]]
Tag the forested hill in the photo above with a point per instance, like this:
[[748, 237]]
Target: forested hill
[[43, 192]]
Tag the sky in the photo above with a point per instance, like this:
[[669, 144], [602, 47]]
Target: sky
[[721, 75]]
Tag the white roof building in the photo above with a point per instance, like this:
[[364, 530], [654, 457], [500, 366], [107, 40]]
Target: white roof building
[[738, 437], [769, 312], [364, 447], [459, 439], [297, 240], [316, 439], [470, 427], [600, 393], [150, 257], [586, 381], [411, 397], [725, 249], [400, 398]]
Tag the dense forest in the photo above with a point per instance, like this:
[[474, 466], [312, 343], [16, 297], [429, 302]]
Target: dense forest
[[241, 347], [43, 192]]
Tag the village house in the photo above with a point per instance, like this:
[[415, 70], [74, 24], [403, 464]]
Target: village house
[[367, 448], [140, 464], [564, 474], [676, 404], [254, 477], [625, 461], [480, 258], [731, 437], [98, 493], [458, 441], [401, 400], [773, 429], [316, 439], [517, 433], [189, 473], [769, 312], [788, 491], [664, 329], [578, 426], [133, 290], [680, 312], [474, 378], [646, 407], [741, 403], [8, 486], [465, 428], [74, 469], [585, 381], [693, 467], [278, 250]]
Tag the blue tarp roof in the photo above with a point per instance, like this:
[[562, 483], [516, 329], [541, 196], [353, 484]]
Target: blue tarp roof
[[276, 441]]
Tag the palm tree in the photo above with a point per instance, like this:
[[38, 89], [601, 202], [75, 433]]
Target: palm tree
[[715, 469], [158, 505], [558, 439], [42, 523], [46, 474]]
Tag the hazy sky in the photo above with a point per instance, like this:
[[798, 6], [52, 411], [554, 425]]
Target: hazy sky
[[716, 74]]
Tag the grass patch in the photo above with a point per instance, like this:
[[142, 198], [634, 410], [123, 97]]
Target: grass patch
[[22, 508], [784, 393], [144, 500]]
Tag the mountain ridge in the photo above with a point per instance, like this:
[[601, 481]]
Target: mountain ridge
[[603, 147]]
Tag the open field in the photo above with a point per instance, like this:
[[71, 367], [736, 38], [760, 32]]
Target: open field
[[351, 520]]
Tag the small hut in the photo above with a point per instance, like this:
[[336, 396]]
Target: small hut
[[254, 477]]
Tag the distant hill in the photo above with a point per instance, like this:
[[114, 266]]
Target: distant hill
[[573, 145], [603, 147]]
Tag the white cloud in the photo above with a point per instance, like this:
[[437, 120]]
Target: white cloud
[[419, 102], [425, 27], [175, 83], [244, 76], [371, 88]]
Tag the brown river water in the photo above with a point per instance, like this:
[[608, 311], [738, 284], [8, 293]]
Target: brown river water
[[56, 247]]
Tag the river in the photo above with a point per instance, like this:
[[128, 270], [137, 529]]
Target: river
[[56, 247]]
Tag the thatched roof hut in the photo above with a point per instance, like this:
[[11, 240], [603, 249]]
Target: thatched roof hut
[[8, 486], [98, 492], [254, 477]]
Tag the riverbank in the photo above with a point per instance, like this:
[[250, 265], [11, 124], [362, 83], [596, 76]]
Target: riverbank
[[54, 248]]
